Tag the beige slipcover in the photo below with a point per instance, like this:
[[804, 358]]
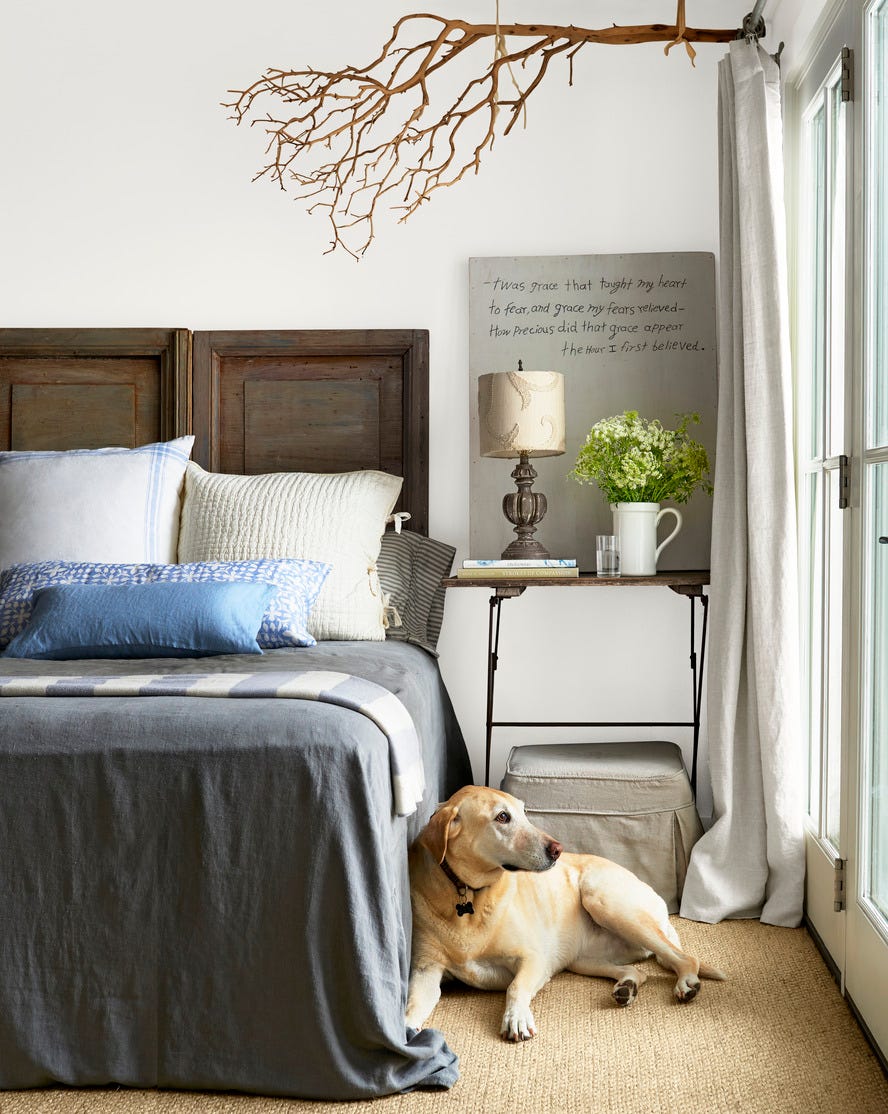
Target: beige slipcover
[[629, 801]]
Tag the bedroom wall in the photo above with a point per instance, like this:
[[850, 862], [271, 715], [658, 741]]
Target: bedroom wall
[[797, 23], [126, 199]]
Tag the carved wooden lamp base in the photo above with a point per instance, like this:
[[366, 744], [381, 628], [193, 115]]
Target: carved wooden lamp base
[[524, 509], [524, 549]]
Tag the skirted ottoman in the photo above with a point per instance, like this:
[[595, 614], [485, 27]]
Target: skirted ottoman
[[630, 802]]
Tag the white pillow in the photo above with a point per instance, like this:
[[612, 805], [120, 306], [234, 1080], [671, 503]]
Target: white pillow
[[338, 518], [113, 505]]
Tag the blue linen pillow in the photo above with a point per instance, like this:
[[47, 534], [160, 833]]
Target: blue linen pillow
[[142, 621], [285, 623]]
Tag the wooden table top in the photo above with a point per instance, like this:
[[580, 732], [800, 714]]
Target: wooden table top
[[687, 582]]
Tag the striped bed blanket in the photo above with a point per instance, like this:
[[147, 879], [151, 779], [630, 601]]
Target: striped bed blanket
[[357, 693]]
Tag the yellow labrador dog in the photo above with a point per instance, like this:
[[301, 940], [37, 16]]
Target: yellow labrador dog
[[498, 905]]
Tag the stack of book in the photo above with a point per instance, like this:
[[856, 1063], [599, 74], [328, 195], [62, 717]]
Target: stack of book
[[495, 569]]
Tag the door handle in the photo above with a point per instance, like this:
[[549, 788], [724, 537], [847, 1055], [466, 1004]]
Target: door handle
[[883, 541]]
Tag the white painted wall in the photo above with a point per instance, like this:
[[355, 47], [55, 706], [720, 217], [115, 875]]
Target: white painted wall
[[797, 23], [125, 199]]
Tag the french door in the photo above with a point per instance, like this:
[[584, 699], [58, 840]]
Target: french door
[[841, 360], [866, 954]]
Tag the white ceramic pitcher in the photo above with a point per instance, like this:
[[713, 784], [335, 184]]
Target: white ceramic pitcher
[[636, 526]]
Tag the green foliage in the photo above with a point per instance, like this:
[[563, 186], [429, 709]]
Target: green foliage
[[636, 460]]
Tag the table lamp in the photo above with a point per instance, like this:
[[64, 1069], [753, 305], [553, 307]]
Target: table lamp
[[521, 415]]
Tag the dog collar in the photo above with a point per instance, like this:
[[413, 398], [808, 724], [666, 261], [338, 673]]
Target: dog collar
[[462, 906]]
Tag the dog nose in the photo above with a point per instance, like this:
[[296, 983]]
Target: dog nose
[[554, 849]]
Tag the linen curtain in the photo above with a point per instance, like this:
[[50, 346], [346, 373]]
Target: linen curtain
[[751, 862]]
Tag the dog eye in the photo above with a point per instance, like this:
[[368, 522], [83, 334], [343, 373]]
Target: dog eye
[[502, 818]]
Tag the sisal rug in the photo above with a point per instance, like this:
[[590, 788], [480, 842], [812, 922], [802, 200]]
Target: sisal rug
[[777, 1038]]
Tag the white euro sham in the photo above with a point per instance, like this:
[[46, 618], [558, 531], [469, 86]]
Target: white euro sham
[[114, 505]]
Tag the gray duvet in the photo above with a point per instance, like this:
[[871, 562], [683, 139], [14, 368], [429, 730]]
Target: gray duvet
[[200, 893]]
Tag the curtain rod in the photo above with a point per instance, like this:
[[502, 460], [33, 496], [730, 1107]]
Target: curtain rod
[[754, 28]]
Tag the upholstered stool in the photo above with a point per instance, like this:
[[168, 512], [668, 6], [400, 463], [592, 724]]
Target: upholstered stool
[[630, 802]]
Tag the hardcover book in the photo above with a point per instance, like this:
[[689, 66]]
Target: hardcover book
[[497, 563], [557, 573]]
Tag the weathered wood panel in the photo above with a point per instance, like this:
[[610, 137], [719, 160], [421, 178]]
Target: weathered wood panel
[[315, 400], [338, 429], [86, 388], [75, 416]]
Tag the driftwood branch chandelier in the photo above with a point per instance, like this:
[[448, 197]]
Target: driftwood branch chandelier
[[405, 125]]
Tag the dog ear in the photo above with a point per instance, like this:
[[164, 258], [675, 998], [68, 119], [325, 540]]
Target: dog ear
[[437, 832]]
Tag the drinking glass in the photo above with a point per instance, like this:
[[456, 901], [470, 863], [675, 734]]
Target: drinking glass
[[607, 555]]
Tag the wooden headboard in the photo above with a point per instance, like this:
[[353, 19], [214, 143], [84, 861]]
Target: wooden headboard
[[87, 388], [329, 400]]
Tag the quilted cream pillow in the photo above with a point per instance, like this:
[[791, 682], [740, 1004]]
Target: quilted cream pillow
[[338, 518]]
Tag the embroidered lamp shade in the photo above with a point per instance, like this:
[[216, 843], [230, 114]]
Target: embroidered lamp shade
[[521, 412]]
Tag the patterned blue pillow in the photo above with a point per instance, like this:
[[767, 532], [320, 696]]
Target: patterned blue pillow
[[285, 622]]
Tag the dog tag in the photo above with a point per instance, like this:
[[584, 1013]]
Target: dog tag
[[463, 907]]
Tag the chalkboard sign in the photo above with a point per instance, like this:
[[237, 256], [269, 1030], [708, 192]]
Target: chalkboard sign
[[629, 332]]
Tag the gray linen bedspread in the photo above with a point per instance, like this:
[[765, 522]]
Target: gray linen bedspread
[[213, 894]]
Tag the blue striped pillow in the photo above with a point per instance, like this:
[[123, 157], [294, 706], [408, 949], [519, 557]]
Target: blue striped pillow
[[284, 623]]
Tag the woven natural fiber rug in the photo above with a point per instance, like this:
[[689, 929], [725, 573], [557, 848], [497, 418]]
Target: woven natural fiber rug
[[777, 1038]]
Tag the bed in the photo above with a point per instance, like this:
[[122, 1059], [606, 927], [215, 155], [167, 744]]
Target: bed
[[205, 892]]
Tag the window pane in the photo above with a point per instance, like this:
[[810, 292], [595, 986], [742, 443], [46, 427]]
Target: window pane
[[878, 192], [811, 504], [876, 796], [813, 333], [833, 723], [838, 161]]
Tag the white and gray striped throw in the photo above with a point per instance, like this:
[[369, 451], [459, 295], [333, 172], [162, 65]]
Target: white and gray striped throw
[[357, 693]]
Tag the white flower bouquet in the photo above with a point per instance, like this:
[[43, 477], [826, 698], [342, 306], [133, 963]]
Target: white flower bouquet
[[636, 460]]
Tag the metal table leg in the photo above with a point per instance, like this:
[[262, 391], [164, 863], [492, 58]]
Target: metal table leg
[[697, 679], [493, 627], [697, 664]]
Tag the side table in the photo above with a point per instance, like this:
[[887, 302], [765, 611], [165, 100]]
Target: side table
[[689, 584]]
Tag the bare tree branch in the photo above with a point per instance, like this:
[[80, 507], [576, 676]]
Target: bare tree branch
[[346, 139]]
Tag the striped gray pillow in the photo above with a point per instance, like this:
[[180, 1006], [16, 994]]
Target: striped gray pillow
[[411, 567]]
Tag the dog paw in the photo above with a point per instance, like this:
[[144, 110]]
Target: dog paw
[[518, 1024], [625, 992], [686, 988]]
